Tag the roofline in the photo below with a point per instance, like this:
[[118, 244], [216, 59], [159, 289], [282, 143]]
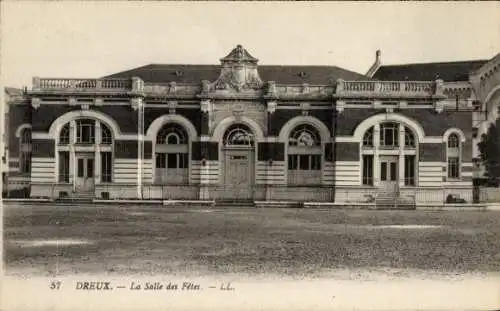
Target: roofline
[[437, 63], [218, 65]]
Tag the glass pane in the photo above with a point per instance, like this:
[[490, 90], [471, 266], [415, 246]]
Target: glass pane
[[393, 171], [316, 162], [160, 160], [80, 168], [184, 160], [304, 162], [383, 171], [292, 162], [106, 166], [172, 160], [64, 166], [90, 167]]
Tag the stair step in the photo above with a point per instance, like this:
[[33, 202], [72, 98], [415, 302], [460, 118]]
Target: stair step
[[239, 203]]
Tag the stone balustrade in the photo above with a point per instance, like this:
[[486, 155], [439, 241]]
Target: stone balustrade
[[406, 88], [62, 84], [340, 88]]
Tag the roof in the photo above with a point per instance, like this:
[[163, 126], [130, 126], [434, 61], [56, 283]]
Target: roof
[[13, 91], [447, 71], [158, 73], [239, 54]]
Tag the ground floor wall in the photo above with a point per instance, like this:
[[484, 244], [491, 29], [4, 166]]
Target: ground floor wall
[[339, 195]]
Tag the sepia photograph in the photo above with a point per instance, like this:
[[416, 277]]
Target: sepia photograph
[[250, 156]]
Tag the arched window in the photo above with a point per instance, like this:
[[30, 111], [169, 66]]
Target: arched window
[[26, 136], [172, 155], [304, 136], [64, 135], [368, 138], [106, 137], [453, 141], [85, 131], [304, 155], [172, 134], [453, 156], [390, 138], [389, 134], [25, 151], [238, 135], [409, 138]]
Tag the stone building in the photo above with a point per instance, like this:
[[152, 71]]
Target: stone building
[[240, 131]]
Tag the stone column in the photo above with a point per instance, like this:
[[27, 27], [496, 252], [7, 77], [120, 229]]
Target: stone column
[[139, 104], [271, 108], [204, 171], [72, 155], [206, 111], [401, 165], [376, 155], [97, 161]]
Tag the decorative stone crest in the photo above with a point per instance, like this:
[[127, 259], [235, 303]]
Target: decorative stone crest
[[136, 103], [172, 88], [238, 72], [205, 106], [305, 88], [35, 102], [271, 106], [98, 101], [85, 106], [271, 89], [305, 108], [172, 105], [340, 106], [72, 101], [439, 106], [439, 87], [340, 85], [205, 86]]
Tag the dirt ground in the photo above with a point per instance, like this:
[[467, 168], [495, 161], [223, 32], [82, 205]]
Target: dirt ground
[[45, 240]]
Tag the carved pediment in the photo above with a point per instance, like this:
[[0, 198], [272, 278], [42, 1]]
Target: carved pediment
[[238, 72]]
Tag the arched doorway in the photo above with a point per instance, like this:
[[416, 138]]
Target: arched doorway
[[84, 154], [389, 157], [172, 155], [239, 162]]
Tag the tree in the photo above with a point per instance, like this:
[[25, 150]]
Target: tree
[[489, 149]]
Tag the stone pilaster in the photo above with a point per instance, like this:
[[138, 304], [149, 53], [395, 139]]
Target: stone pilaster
[[72, 155], [401, 165], [206, 116], [139, 104], [97, 161], [376, 155]]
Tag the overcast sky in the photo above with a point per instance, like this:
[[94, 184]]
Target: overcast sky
[[92, 39]]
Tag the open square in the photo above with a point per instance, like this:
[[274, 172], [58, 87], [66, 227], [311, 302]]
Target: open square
[[47, 240]]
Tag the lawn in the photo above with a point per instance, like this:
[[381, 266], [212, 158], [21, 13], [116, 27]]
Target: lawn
[[130, 239]]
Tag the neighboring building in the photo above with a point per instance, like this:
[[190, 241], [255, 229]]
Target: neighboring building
[[240, 131]]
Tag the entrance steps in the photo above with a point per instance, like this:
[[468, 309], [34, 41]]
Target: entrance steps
[[84, 197], [235, 203], [391, 201]]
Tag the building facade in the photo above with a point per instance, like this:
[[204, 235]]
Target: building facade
[[244, 132]]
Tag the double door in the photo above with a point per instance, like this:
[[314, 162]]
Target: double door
[[389, 173], [238, 173], [85, 167]]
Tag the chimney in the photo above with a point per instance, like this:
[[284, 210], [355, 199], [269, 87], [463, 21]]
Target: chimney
[[378, 55], [376, 65]]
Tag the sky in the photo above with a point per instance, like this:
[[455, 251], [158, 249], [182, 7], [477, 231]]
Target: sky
[[92, 39]]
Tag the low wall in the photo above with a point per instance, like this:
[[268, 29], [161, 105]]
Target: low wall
[[489, 194], [349, 195], [300, 193], [49, 190], [433, 195]]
